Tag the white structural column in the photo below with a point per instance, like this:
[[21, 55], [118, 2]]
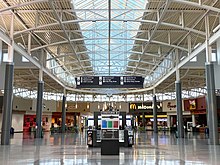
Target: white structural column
[[211, 96], [218, 50], [180, 128], [8, 90], [1, 54]]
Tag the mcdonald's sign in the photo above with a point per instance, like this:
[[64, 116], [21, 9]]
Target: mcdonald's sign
[[133, 106], [147, 106]]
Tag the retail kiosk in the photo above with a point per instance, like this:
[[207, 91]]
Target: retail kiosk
[[110, 136]]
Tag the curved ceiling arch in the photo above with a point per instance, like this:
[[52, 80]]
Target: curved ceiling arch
[[136, 39], [21, 4], [32, 29], [136, 56]]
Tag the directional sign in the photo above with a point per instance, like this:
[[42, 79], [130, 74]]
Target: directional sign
[[110, 82]]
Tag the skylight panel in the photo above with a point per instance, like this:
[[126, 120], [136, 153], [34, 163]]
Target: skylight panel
[[122, 30]]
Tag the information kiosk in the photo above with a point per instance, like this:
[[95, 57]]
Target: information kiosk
[[110, 133]]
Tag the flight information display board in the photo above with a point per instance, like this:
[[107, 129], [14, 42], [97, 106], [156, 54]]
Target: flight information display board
[[133, 81], [109, 82], [87, 82]]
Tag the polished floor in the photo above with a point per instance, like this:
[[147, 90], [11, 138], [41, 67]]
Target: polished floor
[[70, 149]]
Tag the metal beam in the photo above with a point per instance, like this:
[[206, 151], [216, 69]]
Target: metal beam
[[101, 10], [5, 38], [195, 26], [24, 25], [112, 20], [21, 4], [64, 30], [183, 62], [202, 6], [188, 58], [104, 30], [137, 39], [22, 52], [160, 17], [109, 37]]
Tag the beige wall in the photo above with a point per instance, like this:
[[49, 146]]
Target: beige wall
[[96, 106], [30, 104], [48, 105], [17, 122], [74, 107], [22, 104]]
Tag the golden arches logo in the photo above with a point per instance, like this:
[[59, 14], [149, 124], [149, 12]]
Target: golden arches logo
[[133, 106]]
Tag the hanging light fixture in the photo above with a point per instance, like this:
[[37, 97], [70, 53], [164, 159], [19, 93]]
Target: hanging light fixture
[[76, 101], [98, 106]]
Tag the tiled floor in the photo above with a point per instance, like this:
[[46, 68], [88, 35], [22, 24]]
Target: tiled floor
[[71, 149]]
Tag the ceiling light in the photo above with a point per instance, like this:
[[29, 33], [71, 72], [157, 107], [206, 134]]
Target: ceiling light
[[197, 45], [216, 28], [182, 58]]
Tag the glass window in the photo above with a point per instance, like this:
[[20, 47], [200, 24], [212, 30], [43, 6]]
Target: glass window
[[5, 57], [122, 32], [194, 59], [213, 56], [23, 59]]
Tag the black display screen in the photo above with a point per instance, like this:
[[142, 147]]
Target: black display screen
[[87, 82], [133, 81]]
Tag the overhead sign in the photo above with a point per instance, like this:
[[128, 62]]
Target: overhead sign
[[87, 81], [144, 107], [109, 82]]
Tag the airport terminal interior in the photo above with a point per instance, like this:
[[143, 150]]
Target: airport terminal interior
[[109, 82]]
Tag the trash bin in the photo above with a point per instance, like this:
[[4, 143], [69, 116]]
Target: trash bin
[[12, 131]]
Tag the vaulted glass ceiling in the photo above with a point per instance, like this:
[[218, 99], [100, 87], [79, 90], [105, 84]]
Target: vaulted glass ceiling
[[109, 36]]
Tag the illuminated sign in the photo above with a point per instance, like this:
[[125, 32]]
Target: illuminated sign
[[148, 106], [133, 106], [192, 104], [169, 105]]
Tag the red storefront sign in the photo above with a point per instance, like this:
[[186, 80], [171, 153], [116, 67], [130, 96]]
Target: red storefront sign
[[196, 106]]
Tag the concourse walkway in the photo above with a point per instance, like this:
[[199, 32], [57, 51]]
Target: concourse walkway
[[70, 149]]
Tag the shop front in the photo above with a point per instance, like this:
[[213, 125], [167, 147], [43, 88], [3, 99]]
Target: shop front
[[144, 114], [75, 116], [197, 108], [169, 107], [30, 124]]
